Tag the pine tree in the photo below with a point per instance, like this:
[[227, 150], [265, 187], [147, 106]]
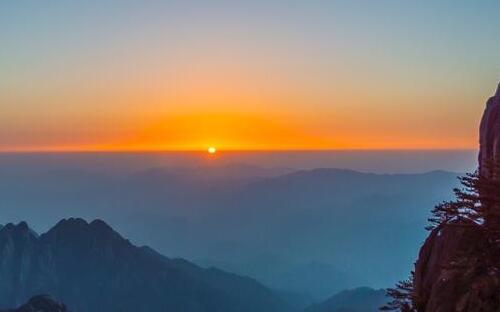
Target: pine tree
[[401, 297], [476, 205]]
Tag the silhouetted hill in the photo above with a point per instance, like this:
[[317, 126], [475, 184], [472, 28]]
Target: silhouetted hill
[[361, 299], [40, 303], [91, 267]]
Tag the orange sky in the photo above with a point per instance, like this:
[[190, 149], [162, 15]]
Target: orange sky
[[237, 109], [191, 76]]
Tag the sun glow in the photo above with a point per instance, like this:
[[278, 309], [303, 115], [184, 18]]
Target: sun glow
[[212, 150]]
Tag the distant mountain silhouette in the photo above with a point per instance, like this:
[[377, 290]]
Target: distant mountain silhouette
[[231, 172], [316, 280], [346, 219], [267, 226], [90, 267], [361, 299], [40, 303]]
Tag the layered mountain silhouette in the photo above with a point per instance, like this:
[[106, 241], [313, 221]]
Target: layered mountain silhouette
[[90, 267], [276, 228], [362, 299]]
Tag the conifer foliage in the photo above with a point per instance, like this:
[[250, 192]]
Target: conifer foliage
[[476, 203]]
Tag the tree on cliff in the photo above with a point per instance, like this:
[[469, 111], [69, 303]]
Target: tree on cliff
[[458, 267], [401, 297], [478, 201], [477, 207]]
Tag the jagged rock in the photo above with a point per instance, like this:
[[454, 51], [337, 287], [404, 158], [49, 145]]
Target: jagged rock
[[444, 283], [489, 132], [41, 303], [90, 267], [450, 274]]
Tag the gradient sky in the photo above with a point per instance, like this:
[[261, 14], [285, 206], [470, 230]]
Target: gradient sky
[[182, 75]]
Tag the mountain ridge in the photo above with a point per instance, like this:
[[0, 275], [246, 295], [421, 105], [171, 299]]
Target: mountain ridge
[[90, 267], [219, 222], [360, 299]]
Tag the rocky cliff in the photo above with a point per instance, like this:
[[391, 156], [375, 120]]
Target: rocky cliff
[[441, 284], [489, 132], [453, 271]]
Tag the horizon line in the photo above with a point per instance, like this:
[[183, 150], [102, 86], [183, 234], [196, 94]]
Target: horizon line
[[203, 151]]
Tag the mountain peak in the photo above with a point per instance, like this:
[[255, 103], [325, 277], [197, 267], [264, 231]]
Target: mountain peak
[[20, 228], [71, 222], [100, 225], [76, 260], [79, 224], [79, 232]]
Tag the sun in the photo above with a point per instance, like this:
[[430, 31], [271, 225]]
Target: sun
[[212, 150]]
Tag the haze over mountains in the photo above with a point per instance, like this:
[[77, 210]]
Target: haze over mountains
[[305, 233], [92, 268], [375, 161], [361, 299]]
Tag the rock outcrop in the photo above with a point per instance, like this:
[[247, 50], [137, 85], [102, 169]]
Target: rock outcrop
[[450, 273], [489, 132], [40, 303], [442, 285]]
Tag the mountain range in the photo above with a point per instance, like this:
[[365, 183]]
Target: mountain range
[[308, 232], [90, 267]]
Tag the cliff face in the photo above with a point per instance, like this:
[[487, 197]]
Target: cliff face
[[465, 286], [445, 279], [489, 132]]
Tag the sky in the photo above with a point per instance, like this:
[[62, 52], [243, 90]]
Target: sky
[[245, 75]]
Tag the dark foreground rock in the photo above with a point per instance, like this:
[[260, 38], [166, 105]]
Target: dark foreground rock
[[489, 132], [458, 268], [41, 303], [443, 283]]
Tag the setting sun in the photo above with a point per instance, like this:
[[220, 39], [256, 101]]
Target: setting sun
[[212, 150]]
